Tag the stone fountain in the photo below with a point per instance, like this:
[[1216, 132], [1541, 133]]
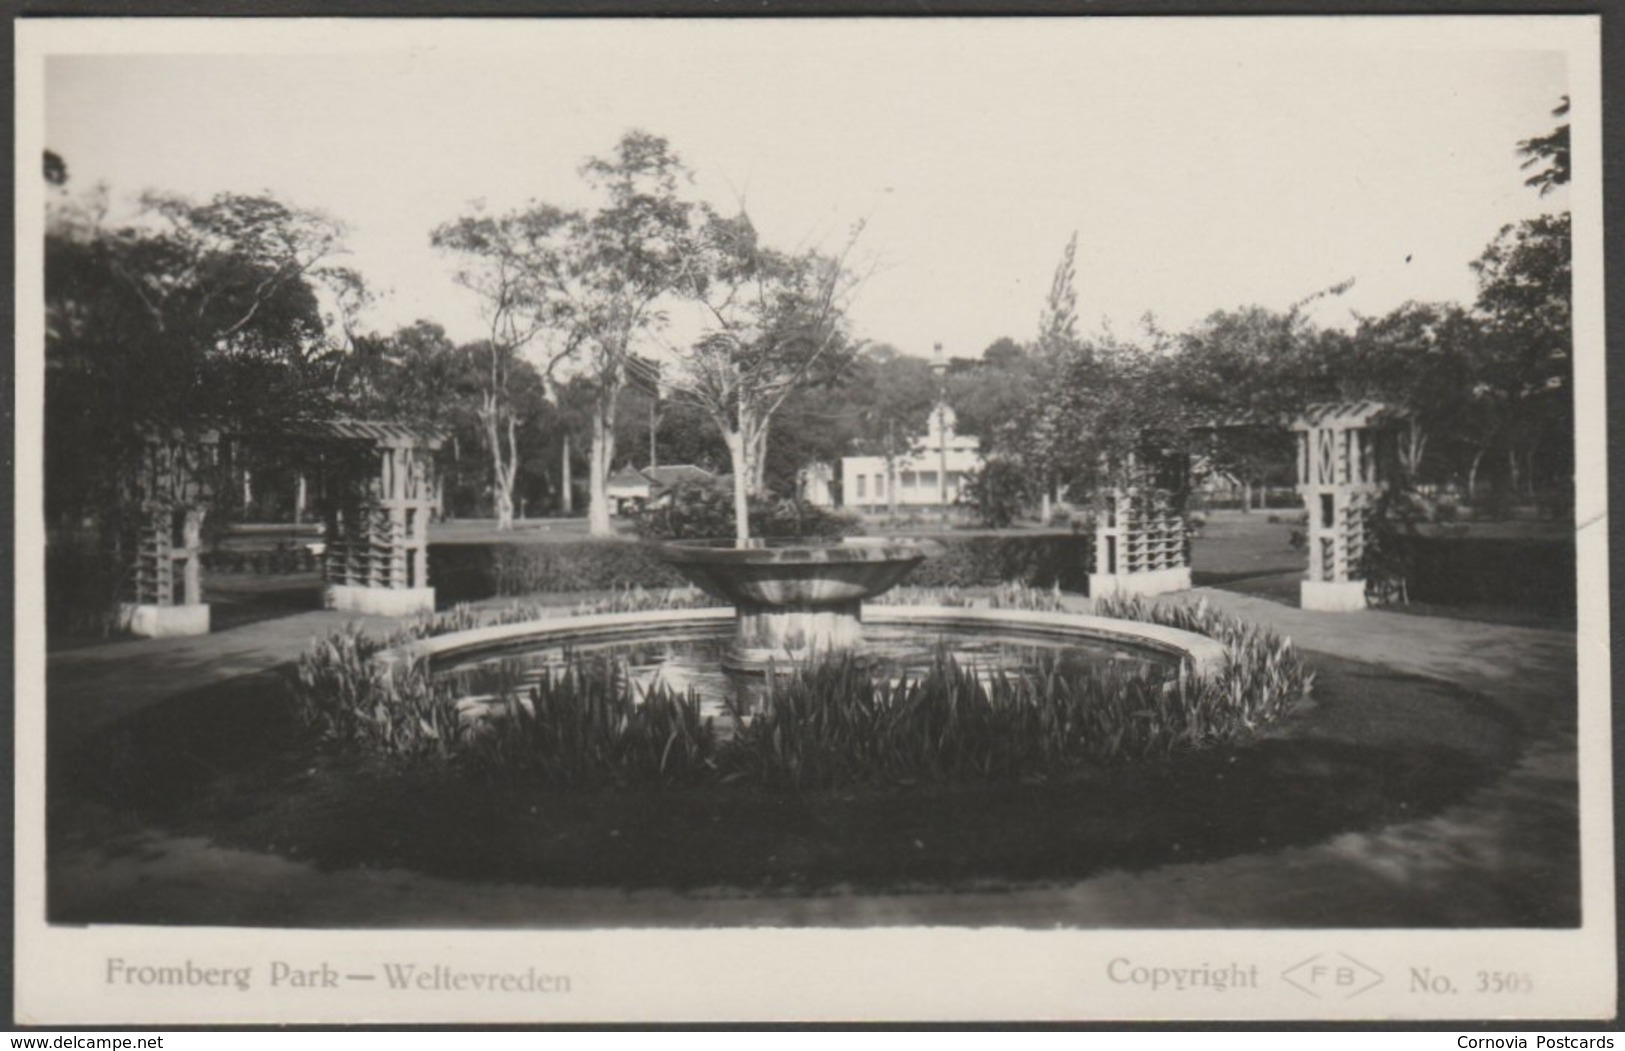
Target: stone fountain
[[795, 598]]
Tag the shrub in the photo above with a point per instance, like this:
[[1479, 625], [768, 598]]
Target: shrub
[[286, 557], [996, 494], [705, 511]]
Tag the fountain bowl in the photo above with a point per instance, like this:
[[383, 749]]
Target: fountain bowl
[[795, 598]]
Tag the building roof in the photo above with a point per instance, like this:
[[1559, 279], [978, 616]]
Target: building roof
[[628, 478], [1363, 413], [676, 474], [649, 480], [379, 432]]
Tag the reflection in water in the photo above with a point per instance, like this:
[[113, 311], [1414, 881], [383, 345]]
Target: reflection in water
[[691, 661]]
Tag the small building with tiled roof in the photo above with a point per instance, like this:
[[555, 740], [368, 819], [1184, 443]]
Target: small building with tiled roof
[[632, 488]]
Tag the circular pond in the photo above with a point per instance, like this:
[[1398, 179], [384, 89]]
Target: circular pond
[[691, 656]]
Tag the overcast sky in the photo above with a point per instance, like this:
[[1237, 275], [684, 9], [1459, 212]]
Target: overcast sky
[[1203, 165]]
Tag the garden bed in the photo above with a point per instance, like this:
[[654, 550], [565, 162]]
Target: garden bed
[[229, 765]]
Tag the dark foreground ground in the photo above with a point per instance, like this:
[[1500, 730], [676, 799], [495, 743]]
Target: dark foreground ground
[[1374, 749]]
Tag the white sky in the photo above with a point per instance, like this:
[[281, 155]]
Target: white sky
[[1205, 165]]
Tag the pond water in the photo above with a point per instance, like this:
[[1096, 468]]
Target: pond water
[[685, 659]]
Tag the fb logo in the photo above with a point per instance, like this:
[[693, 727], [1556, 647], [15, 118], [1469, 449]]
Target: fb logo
[[1332, 976]]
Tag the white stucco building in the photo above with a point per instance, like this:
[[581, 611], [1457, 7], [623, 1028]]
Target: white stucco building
[[928, 474]]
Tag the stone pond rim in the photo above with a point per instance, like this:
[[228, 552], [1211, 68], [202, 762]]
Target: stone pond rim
[[795, 597]]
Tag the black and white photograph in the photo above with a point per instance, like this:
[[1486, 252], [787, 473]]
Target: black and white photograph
[[631, 520]]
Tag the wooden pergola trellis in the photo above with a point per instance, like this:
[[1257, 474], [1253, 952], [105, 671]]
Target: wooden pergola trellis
[[1141, 546], [377, 513], [1346, 457], [164, 592], [379, 489]]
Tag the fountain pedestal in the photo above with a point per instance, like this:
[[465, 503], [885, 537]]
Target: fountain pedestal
[[792, 633], [793, 599]]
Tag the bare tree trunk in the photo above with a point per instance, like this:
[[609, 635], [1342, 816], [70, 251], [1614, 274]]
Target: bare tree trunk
[[654, 428], [1246, 496], [501, 473], [501, 493], [738, 448], [758, 459], [502, 502], [1472, 475], [601, 455], [1512, 472], [567, 496], [510, 470], [1411, 452], [891, 469]]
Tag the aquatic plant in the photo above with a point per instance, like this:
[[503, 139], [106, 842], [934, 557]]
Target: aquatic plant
[[825, 724], [349, 697], [1010, 595]]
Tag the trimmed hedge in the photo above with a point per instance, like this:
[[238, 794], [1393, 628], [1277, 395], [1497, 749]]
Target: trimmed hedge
[[471, 572], [1453, 570], [83, 585], [1039, 560]]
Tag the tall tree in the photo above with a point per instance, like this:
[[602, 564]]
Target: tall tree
[[586, 286], [1057, 339], [1525, 304], [775, 322], [1550, 152], [509, 393], [193, 315], [623, 258], [1241, 378], [892, 395], [1112, 402], [1058, 321], [513, 263], [1420, 356]]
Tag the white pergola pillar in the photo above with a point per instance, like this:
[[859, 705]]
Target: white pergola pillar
[[1343, 456]]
